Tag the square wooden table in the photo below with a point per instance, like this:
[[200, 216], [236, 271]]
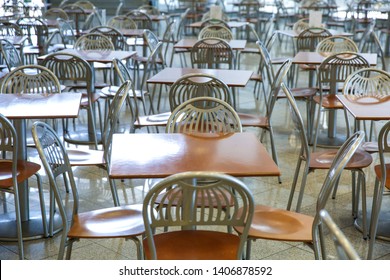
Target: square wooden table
[[315, 58], [19, 108], [160, 155], [188, 43], [367, 107], [231, 24]]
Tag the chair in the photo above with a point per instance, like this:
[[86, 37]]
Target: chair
[[113, 34], [116, 222], [381, 182], [204, 115], [371, 43], [149, 9], [122, 22], [179, 34], [283, 225], [14, 171], [215, 31], [66, 31], [336, 44], [10, 29], [55, 13], [76, 73], [212, 53], [77, 15], [206, 16], [214, 21], [10, 55], [300, 25], [367, 82], [85, 5], [344, 248], [170, 204], [142, 19], [332, 71]]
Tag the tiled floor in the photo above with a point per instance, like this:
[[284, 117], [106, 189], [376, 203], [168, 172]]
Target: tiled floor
[[95, 193]]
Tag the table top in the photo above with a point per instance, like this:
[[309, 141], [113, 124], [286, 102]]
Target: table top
[[231, 24], [125, 32], [233, 78], [96, 55], [367, 108], [15, 40], [188, 43], [316, 59], [37, 106], [148, 155], [294, 34]]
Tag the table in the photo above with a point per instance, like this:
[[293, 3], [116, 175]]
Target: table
[[294, 34], [160, 155], [188, 43], [231, 24], [314, 58], [78, 14], [19, 108]]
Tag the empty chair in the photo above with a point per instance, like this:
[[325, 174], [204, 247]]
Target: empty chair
[[283, 225], [142, 19], [176, 200], [10, 55], [214, 21], [55, 13], [116, 222], [94, 41], [336, 44], [212, 53], [215, 31], [112, 33], [10, 29], [122, 22], [77, 15], [14, 171]]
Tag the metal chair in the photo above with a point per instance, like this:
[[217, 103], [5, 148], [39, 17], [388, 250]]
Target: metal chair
[[142, 19], [176, 200], [112, 33], [178, 35], [10, 55], [214, 21], [117, 222], [336, 44], [283, 225], [215, 31], [55, 13], [333, 70], [344, 248], [10, 29], [76, 73], [14, 171], [122, 22]]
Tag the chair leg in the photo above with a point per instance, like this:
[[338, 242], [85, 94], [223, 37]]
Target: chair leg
[[114, 192], [303, 185], [294, 183], [377, 203], [18, 225], [273, 148], [42, 205]]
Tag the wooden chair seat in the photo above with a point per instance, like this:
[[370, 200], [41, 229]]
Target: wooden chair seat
[[300, 93], [253, 120], [26, 169], [256, 77], [279, 224], [329, 101], [370, 147], [251, 50], [323, 160], [194, 245], [378, 174], [114, 222], [84, 99]]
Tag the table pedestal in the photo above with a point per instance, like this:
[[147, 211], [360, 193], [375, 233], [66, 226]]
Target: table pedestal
[[331, 138]]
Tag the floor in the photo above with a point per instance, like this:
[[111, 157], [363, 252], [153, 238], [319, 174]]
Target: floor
[[95, 193]]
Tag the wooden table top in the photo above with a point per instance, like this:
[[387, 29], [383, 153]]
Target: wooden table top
[[148, 155], [316, 59], [294, 34], [125, 32], [367, 108], [233, 78], [37, 106], [231, 24], [96, 55], [188, 43]]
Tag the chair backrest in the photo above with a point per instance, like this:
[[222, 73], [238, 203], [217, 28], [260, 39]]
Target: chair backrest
[[70, 68], [301, 25], [142, 19], [10, 29], [336, 44], [122, 22], [66, 32], [248, 9], [76, 14], [116, 37], [154, 64], [181, 24], [151, 39], [309, 38], [36, 31], [168, 39], [214, 21], [177, 196], [207, 15], [121, 70], [198, 85], [215, 31], [344, 248], [204, 115], [212, 53], [9, 145], [85, 5], [336, 68], [370, 82], [10, 54], [94, 41], [54, 13], [149, 9], [28, 79], [370, 43]]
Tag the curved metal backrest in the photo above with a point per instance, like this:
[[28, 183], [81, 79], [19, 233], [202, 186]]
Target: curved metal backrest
[[66, 32], [112, 33], [34, 28], [214, 21], [215, 31], [181, 24], [149, 9], [122, 22], [249, 9], [85, 5], [55, 161], [94, 41], [212, 53], [153, 64], [204, 115], [301, 25], [151, 39], [336, 69], [30, 79], [344, 248], [265, 62], [121, 70], [178, 194], [71, 68], [371, 82], [10, 54], [10, 29], [142, 19], [55, 13], [206, 16], [336, 44], [309, 38], [197, 85], [9, 143], [298, 123], [343, 156], [370, 43]]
